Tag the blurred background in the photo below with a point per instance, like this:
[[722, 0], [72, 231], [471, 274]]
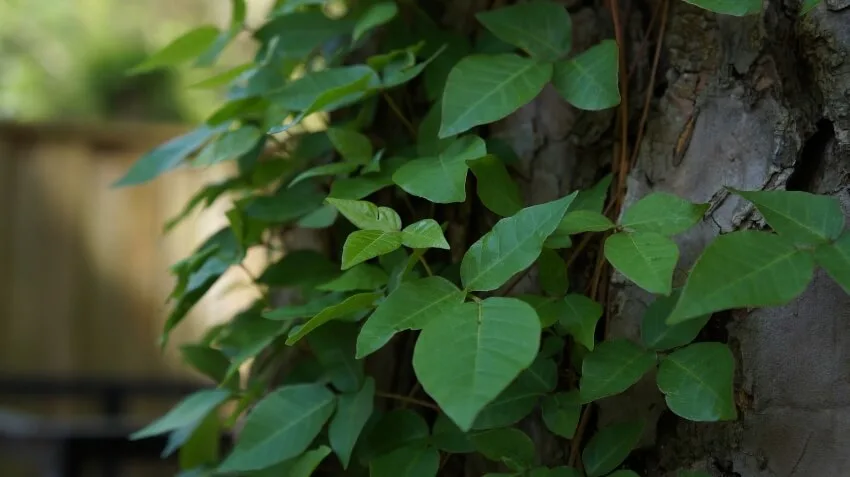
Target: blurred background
[[83, 267]]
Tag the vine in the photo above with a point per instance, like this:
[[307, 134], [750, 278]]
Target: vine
[[484, 358]]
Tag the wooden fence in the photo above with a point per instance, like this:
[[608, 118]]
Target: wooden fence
[[84, 267]]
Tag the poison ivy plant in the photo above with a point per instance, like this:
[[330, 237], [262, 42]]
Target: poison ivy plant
[[439, 312]]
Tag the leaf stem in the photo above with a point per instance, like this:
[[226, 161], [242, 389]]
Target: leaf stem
[[425, 264], [407, 399], [394, 106]]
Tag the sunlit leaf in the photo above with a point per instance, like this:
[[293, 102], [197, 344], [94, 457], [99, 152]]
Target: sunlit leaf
[[187, 47], [482, 89], [363, 245], [646, 258], [697, 382], [441, 179], [663, 214], [484, 360], [613, 367], [366, 215], [589, 80], [581, 221], [426, 233], [541, 28]]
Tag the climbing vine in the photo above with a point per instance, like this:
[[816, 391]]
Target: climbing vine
[[485, 358]]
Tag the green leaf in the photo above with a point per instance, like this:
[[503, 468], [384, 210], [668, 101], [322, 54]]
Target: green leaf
[[377, 15], [835, 259], [497, 191], [332, 169], [396, 429], [411, 306], [165, 157], [508, 445], [593, 199], [447, 437], [223, 78], [512, 245], [229, 146], [363, 245], [303, 93], [609, 447], [426, 233], [360, 277], [744, 269], [281, 426], [808, 5], [663, 214], [397, 73], [541, 28], [284, 205], [320, 218], [301, 466], [410, 461], [552, 273], [291, 312], [561, 412], [353, 410], [580, 317], [297, 34], [186, 47], [581, 221], [483, 362], [201, 445], [520, 397], [697, 382], [352, 304], [333, 347], [548, 309], [555, 472], [288, 6], [737, 8], [613, 367], [589, 80], [366, 215], [657, 335], [191, 410], [800, 216], [482, 89], [289, 270], [353, 146], [624, 473], [441, 179], [209, 361], [646, 258]]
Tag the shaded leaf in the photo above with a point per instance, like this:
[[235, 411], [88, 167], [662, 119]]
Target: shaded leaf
[[508, 445], [552, 273], [744, 269], [737, 8], [624, 473], [835, 259], [441, 179], [377, 15], [184, 48], [426, 233], [613, 367], [541, 28], [520, 397], [301, 466], [589, 80], [201, 445], [360, 277], [363, 245], [395, 74], [284, 205], [561, 412], [447, 437], [548, 309], [209, 361], [333, 347], [303, 93], [353, 410], [497, 191], [484, 361], [697, 382], [395, 429], [332, 169], [352, 304], [190, 411], [662, 213], [555, 472], [609, 447], [800, 216], [410, 461], [229, 146], [512, 245], [808, 5], [320, 218], [353, 146], [312, 307], [223, 78], [580, 318], [481, 89], [366, 215], [581, 221], [281, 426], [289, 270], [411, 306], [297, 34], [657, 335], [165, 157], [646, 258]]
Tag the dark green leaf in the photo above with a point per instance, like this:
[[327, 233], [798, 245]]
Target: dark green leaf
[[363, 245], [482, 89], [663, 214], [541, 28], [192, 409], [744, 269], [396, 429], [697, 382], [593, 199], [508, 445], [800, 216], [180, 50], [589, 80], [613, 367], [201, 448], [484, 361], [561, 413], [447, 437], [737, 8], [366, 215], [552, 273], [441, 179], [657, 335], [353, 146], [808, 5], [281, 426], [580, 318], [360, 277], [223, 78], [512, 245], [352, 304], [397, 73], [497, 191], [624, 473], [289, 270], [286, 204], [165, 157], [229, 146], [609, 447], [320, 218], [519, 398], [377, 15], [303, 93], [333, 347], [835, 259], [353, 410], [646, 258], [410, 461], [426, 233], [548, 309], [581, 221], [301, 466], [299, 33], [209, 361], [556, 472], [332, 169]]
